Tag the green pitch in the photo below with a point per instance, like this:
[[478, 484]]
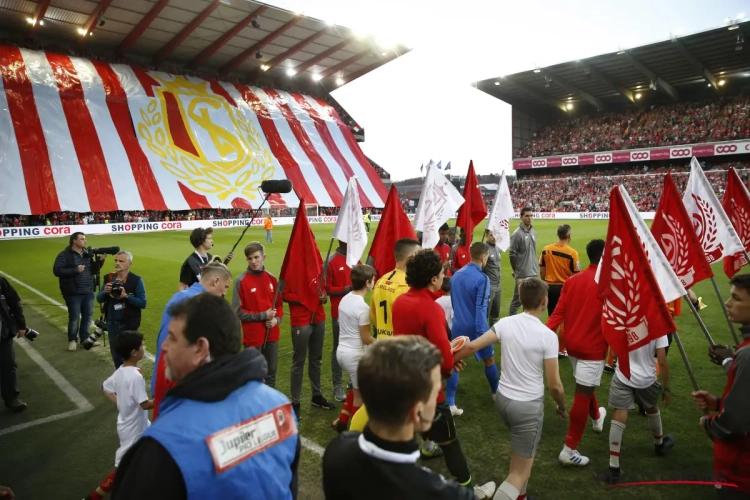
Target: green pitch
[[86, 443]]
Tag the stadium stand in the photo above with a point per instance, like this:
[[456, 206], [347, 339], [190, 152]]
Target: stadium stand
[[589, 191], [678, 123]]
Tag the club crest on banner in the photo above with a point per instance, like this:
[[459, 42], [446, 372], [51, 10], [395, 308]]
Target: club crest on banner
[[622, 308], [704, 221], [741, 221], [435, 207], [203, 140], [671, 243]]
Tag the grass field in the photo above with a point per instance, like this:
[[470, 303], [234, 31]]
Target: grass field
[[67, 457]]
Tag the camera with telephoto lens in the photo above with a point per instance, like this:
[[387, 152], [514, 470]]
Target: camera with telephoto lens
[[117, 286], [101, 327], [31, 334]]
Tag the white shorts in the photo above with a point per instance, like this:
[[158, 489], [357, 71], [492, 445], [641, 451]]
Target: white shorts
[[349, 360], [587, 373]]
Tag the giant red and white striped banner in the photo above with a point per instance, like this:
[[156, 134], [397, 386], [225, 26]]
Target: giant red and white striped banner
[[86, 136]]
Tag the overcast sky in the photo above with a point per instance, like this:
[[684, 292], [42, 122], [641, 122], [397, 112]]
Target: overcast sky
[[423, 106]]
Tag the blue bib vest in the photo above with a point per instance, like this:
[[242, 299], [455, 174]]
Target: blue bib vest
[[226, 449]]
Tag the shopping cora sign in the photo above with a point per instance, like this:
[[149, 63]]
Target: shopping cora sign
[[631, 155]]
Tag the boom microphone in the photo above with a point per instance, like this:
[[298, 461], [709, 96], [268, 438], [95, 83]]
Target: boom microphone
[[276, 186], [105, 250]]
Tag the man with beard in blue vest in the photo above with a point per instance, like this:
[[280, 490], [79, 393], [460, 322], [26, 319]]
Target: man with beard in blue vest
[[222, 433]]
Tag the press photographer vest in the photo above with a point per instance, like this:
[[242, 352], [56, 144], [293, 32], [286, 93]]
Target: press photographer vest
[[131, 316]]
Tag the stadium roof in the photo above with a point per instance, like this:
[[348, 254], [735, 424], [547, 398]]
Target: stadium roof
[[227, 36], [715, 57]]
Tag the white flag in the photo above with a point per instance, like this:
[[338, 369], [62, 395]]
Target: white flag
[[670, 285], [350, 226], [501, 214], [715, 232], [438, 202]]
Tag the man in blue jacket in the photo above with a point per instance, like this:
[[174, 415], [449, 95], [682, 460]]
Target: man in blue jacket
[[222, 432], [215, 279], [470, 293]]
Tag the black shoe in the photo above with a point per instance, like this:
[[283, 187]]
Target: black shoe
[[297, 411], [609, 369], [322, 402], [613, 475], [15, 406], [667, 443], [641, 410]]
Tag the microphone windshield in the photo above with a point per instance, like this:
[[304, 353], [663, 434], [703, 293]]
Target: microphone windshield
[[276, 186]]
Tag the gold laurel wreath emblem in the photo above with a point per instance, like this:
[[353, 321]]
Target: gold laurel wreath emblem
[[223, 179]]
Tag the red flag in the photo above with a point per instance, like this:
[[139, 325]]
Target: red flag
[[736, 204], [473, 211], [634, 312], [673, 231], [302, 265], [394, 225]]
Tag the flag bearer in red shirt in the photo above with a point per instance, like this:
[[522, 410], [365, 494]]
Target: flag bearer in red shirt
[[581, 310], [308, 334], [252, 300], [417, 313], [443, 248], [338, 284], [730, 428]]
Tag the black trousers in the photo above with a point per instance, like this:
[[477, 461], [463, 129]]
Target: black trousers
[[553, 297], [8, 379]]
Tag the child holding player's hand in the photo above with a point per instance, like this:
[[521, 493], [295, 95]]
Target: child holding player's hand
[[126, 389]]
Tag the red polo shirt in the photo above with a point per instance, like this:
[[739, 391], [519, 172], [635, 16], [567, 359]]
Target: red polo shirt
[[461, 257], [338, 277], [581, 310], [444, 250], [417, 313]]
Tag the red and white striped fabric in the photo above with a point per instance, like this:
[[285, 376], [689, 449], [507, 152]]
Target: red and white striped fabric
[[86, 136]]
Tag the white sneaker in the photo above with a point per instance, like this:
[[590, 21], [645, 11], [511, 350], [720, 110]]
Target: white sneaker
[[456, 411], [494, 396], [599, 423], [72, 345], [572, 457], [485, 491]]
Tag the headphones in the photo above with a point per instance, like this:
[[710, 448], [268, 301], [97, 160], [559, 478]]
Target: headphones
[[203, 236]]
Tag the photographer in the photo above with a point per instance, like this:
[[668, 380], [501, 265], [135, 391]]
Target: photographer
[[12, 324], [124, 296], [73, 268]]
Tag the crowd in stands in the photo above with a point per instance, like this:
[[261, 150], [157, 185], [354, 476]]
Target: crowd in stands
[[589, 191], [723, 119]]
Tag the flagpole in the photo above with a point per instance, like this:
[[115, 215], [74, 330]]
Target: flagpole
[[724, 308], [279, 288], [325, 273], [325, 263], [700, 320], [685, 360]]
